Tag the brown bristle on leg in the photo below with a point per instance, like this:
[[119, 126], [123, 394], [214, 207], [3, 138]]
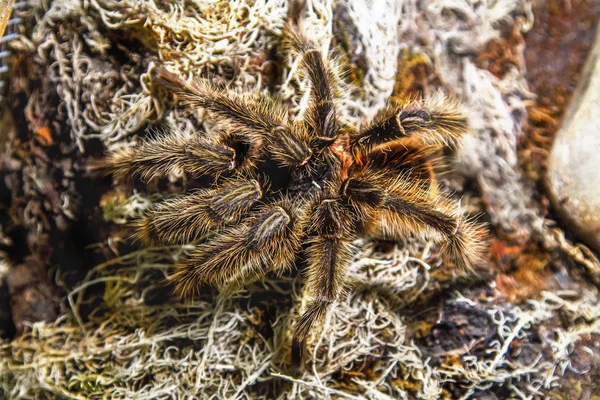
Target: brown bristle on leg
[[267, 240], [185, 218], [172, 153], [429, 122], [328, 255]]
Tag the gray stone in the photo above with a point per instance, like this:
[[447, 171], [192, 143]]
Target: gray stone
[[573, 176]]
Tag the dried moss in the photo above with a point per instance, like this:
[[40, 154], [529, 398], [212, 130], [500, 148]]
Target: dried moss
[[121, 333]]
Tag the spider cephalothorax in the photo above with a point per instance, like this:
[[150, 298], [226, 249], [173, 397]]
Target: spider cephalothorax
[[284, 189]]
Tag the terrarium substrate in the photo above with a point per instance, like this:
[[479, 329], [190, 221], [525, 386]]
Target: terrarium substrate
[[409, 327]]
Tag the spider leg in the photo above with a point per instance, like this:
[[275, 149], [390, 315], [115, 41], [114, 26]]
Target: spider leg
[[404, 157], [329, 253], [185, 218], [402, 208], [429, 122], [173, 152], [268, 239], [321, 114], [261, 121], [407, 208]]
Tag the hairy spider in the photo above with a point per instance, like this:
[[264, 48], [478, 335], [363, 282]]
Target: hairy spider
[[282, 187]]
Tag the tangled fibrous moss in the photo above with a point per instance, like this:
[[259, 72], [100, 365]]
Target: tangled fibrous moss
[[133, 345], [122, 335], [108, 99]]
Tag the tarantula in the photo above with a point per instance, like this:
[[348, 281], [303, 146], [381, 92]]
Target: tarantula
[[282, 187]]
